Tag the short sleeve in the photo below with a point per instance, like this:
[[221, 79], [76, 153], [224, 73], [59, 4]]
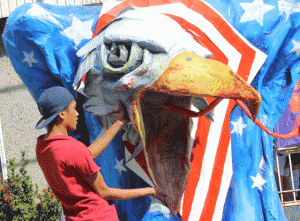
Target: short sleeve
[[83, 162]]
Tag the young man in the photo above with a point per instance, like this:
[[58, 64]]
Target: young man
[[68, 164]]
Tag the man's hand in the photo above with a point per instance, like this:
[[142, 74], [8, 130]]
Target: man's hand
[[119, 119], [122, 115], [160, 196]]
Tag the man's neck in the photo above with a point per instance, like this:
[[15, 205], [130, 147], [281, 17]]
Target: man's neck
[[57, 130]]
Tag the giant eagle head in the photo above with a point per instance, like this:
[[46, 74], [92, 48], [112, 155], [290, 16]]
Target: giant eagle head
[[149, 63]]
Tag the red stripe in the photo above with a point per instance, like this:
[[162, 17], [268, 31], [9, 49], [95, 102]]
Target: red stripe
[[109, 16], [201, 38], [203, 124], [217, 172], [140, 158], [221, 25], [196, 165], [244, 68], [245, 65], [102, 21]]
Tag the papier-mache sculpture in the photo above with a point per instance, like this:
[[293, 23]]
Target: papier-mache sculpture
[[169, 63], [135, 59]]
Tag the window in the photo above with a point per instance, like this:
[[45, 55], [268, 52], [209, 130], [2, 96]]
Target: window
[[287, 171]]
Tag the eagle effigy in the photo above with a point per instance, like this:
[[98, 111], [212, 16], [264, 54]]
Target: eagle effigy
[[140, 62], [169, 64]]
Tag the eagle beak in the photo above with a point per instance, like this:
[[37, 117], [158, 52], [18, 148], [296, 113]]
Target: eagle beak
[[191, 75], [187, 75]]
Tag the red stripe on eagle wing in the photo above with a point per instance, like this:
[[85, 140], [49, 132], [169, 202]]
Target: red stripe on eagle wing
[[196, 165], [112, 13], [244, 68], [140, 158], [217, 172], [109, 16], [227, 32], [201, 38], [203, 124]]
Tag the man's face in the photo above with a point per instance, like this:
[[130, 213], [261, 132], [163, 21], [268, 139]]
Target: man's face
[[71, 116]]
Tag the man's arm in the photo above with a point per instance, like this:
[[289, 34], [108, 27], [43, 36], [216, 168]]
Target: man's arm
[[107, 193], [102, 142]]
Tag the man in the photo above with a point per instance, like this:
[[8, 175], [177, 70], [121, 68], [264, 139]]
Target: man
[[68, 164]]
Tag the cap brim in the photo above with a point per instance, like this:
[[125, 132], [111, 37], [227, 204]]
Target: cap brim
[[43, 122]]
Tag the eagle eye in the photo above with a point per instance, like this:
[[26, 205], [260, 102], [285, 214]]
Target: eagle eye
[[120, 58], [118, 54]]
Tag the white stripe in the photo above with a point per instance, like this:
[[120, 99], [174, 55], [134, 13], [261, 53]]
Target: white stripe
[[2, 155], [108, 5], [200, 22], [204, 25], [181, 205], [135, 167], [193, 130], [234, 58], [208, 161], [226, 178], [233, 62], [260, 57], [193, 133], [259, 60]]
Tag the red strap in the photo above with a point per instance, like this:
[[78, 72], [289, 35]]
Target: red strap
[[189, 113]]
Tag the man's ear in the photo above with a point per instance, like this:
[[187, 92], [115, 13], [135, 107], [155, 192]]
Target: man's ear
[[61, 115]]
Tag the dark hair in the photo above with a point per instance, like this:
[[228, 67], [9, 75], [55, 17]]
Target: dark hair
[[52, 123]]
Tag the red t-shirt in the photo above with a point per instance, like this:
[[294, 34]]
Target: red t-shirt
[[67, 164]]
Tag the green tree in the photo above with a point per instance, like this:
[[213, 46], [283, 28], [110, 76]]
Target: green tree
[[19, 197]]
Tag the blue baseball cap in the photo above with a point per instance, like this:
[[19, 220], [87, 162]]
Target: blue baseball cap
[[52, 101]]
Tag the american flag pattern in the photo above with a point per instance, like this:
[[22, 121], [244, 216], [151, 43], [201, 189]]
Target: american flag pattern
[[211, 168]]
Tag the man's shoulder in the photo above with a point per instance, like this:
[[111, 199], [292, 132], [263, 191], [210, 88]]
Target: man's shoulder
[[59, 143], [72, 141]]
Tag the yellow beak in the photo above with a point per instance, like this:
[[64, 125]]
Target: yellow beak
[[191, 75]]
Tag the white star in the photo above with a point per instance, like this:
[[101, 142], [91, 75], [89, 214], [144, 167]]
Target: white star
[[255, 11], [29, 58], [157, 206], [288, 7], [258, 181], [79, 30], [119, 166], [296, 47], [238, 126]]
